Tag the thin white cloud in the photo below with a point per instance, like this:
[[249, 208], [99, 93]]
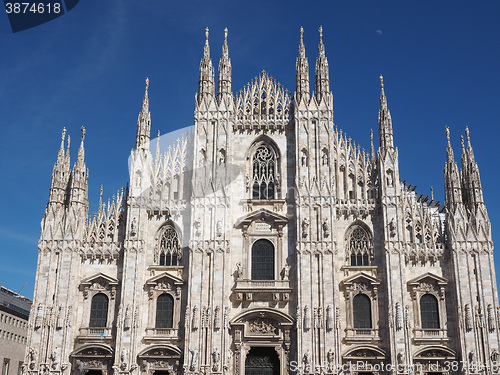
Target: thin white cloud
[[379, 32], [26, 238]]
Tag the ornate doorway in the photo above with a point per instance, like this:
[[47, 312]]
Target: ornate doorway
[[262, 361]]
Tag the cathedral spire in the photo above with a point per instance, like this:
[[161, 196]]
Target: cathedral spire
[[372, 148], [470, 152], [471, 179], [100, 209], [322, 83], [452, 188], [60, 154], [80, 161], [60, 174], [224, 87], [206, 81], [79, 180], [66, 160], [302, 74], [384, 121], [144, 122]]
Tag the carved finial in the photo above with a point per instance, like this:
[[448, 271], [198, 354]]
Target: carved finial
[[69, 142], [147, 83], [320, 34], [158, 133], [224, 59], [83, 133], [62, 137], [447, 130], [383, 99], [206, 48], [467, 134], [432, 193], [101, 192], [372, 147], [301, 35]]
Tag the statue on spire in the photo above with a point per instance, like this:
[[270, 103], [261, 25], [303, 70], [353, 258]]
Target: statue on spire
[[322, 83], [302, 71], [224, 82], [384, 121], [144, 122], [206, 81]]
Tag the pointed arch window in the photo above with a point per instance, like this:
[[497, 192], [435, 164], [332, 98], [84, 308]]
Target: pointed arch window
[[264, 172], [429, 312], [164, 311], [169, 252], [99, 311], [263, 260], [362, 311], [359, 247]]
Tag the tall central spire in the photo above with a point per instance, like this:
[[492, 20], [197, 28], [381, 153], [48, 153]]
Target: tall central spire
[[384, 121], [224, 87], [322, 84], [206, 81], [302, 69], [144, 122]]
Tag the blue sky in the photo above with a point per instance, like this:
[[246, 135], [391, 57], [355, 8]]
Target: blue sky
[[440, 61]]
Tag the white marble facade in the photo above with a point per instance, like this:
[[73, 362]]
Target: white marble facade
[[265, 242]]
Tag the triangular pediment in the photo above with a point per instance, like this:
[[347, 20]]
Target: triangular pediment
[[262, 215], [428, 277], [99, 278], [164, 278], [361, 277]]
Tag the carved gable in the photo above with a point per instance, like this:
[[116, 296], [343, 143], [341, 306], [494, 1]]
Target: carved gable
[[99, 282], [164, 282]]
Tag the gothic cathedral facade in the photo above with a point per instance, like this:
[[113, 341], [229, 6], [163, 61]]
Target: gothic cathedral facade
[[265, 242]]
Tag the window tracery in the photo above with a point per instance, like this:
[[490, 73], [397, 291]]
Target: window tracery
[[169, 252], [359, 247], [264, 178]]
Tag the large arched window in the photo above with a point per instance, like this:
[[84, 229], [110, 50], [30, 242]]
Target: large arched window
[[99, 311], [429, 312], [359, 247], [264, 163], [169, 247], [263, 260], [164, 311], [362, 311]]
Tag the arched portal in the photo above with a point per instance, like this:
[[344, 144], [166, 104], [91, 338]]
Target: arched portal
[[161, 359], [92, 359], [262, 361], [262, 342]]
